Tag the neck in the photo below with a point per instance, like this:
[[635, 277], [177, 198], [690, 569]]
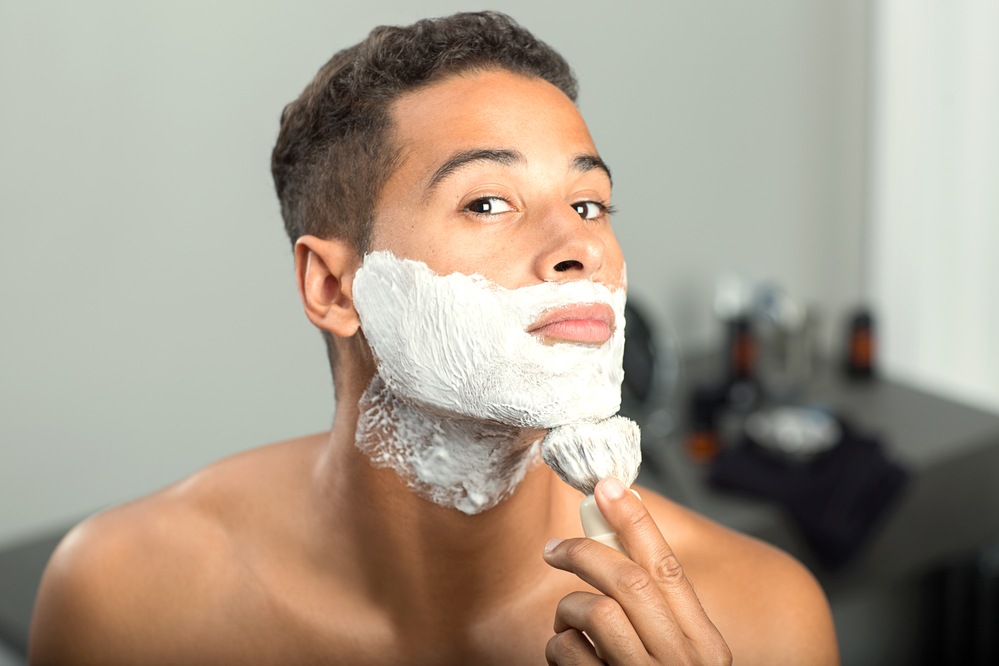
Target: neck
[[443, 515]]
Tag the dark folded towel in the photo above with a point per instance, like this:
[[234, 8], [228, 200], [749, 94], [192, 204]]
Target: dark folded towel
[[836, 498]]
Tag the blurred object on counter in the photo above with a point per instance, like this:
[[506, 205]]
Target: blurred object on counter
[[860, 346], [740, 392], [779, 331], [837, 496], [754, 428], [718, 411], [786, 330], [702, 439], [770, 344], [798, 434]]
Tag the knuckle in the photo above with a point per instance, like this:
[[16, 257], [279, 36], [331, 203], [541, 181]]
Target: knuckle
[[554, 645], [635, 580], [713, 654], [721, 655], [553, 649], [604, 611], [667, 569], [564, 648]]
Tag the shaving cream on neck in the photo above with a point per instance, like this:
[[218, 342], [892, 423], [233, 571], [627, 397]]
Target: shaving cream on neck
[[459, 380]]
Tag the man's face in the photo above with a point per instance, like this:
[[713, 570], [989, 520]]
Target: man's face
[[498, 177]]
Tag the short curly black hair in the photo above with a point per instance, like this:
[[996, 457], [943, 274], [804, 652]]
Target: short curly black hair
[[334, 154]]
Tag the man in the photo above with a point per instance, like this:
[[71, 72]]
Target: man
[[424, 164]]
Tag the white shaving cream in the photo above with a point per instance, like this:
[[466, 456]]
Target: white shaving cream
[[459, 379]]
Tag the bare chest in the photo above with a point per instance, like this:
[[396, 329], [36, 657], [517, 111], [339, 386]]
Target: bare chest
[[282, 625]]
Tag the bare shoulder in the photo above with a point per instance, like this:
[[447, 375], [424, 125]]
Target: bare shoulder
[[767, 605], [117, 571], [146, 581]]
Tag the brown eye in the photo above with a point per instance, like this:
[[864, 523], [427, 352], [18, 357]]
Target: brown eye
[[589, 210], [489, 206]]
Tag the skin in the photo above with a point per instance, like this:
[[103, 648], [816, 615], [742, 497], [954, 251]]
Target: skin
[[302, 552]]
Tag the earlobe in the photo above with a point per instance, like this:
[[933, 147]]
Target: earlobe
[[325, 271]]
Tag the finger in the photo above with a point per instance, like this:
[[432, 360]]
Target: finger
[[591, 560], [625, 581], [648, 548], [570, 647], [604, 621]]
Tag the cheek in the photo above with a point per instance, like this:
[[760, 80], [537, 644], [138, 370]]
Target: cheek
[[475, 262], [406, 237], [467, 249], [613, 272]]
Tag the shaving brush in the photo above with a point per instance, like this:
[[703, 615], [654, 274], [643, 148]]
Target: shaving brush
[[583, 453]]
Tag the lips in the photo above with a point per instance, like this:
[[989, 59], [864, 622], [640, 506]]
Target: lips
[[588, 324]]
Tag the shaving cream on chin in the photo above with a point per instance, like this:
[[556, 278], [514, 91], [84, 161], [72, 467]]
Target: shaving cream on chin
[[458, 345]]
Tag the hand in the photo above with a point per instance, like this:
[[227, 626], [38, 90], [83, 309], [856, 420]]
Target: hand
[[648, 612]]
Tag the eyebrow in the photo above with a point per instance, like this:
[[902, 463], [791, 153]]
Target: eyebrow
[[581, 163], [466, 157], [586, 163]]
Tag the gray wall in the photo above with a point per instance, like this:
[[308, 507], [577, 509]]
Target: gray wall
[[150, 323]]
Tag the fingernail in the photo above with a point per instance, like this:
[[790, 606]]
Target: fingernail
[[550, 546], [613, 489]]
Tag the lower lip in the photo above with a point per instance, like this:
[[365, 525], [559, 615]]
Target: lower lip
[[585, 331]]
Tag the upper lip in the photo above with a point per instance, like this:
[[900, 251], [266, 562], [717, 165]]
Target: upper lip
[[577, 312]]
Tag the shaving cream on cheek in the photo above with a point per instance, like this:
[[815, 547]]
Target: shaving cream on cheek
[[459, 344], [459, 379]]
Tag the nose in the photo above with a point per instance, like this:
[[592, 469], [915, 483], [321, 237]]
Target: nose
[[570, 248]]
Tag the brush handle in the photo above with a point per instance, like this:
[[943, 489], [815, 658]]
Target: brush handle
[[595, 526]]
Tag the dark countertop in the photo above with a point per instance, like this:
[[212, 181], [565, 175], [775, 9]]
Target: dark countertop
[[950, 506]]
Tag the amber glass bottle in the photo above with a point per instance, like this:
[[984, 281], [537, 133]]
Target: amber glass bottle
[[860, 346]]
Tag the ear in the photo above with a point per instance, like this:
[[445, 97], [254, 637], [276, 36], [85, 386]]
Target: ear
[[325, 273]]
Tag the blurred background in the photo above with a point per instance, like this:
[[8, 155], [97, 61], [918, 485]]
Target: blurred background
[[845, 150]]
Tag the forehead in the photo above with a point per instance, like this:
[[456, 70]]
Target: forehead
[[487, 109]]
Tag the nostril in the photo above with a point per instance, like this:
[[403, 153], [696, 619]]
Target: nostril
[[568, 265]]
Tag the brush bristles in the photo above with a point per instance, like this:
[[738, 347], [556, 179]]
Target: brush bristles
[[583, 453]]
